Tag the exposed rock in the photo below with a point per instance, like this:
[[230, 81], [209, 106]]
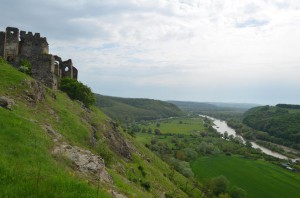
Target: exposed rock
[[117, 195], [85, 160], [116, 141], [120, 168], [6, 102], [55, 136], [93, 136], [36, 92], [3, 102]]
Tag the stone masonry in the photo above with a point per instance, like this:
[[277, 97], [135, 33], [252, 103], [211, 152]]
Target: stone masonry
[[16, 46]]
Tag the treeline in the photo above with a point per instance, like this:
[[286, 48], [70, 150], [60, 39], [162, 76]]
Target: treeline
[[288, 106]]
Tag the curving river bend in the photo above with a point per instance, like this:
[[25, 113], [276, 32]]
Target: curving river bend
[[222, 127]]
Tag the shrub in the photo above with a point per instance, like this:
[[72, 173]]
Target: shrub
[[237, 192], [146, 185], [103, 150], [78, 91], [25, 67]]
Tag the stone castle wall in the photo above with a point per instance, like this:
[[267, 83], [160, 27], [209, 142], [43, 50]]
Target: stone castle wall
[[16, 46], [2, 41], [31, 45], [11, 47]]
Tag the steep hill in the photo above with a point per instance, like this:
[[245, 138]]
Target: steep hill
[[136, 109], [281, 122], [52, 146]]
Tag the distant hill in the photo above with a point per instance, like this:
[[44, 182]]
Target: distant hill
[[201, 106], [281, 122], [216, 109], [136, 109]]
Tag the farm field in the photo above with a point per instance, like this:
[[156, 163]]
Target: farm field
[[259, 178], [170, 127], [179, 125]]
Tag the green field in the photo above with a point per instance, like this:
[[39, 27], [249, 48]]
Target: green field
[[257, 177], [179, 126], [174, 126]]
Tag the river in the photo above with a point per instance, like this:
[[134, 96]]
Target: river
[[222, 127]]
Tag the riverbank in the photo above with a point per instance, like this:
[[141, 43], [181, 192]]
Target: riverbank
[[222, 127]]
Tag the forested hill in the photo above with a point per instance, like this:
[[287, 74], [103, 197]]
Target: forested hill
[[219, 110], [281, 122], [136, 109]]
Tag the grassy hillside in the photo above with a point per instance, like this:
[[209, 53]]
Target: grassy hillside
[[259, 178], [282, 123], [44, 134], [126, 110]]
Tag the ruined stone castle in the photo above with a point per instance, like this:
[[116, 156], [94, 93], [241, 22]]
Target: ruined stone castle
[[16, 46]]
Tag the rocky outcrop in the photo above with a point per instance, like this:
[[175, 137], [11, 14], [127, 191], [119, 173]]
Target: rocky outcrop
[[116, 141], [86, 162], [6, 102], [35, 92]]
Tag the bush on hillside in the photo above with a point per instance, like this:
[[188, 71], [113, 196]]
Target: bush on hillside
[[78, 91], [25, 67]]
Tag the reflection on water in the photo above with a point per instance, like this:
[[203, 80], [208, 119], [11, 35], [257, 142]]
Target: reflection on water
[[222, 127]]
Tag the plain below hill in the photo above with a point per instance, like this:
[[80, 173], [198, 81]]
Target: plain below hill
[[127, 110], [281, 123]]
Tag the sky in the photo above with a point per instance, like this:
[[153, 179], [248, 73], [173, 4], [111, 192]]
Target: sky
[[245, 51]]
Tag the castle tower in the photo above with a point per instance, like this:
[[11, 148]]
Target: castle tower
[[2, 41], [11, 46]]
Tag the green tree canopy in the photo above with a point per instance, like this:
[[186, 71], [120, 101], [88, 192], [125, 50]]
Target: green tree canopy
[[78, 91]]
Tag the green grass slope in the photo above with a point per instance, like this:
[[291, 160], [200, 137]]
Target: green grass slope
[[134, 109], [259, 178], [28, 167], [281, 122]]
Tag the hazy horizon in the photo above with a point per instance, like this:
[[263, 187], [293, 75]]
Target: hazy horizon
[[185, 50]]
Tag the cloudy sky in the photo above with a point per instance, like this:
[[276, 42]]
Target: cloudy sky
[[195, 50]]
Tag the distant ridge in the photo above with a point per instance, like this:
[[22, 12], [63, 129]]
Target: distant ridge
[[196, 106], [136, 109], [288, 106]]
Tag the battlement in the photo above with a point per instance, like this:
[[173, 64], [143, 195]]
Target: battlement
[[29, 36], [16, 46]]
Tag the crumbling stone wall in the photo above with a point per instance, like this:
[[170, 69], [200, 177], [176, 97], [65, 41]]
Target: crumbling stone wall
[[67, 68], [43, 70], [75, 73], [2, 42], [31, 45], [47, 68], [11, 47]]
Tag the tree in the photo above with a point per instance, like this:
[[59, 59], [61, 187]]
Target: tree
[[77, 91], [25, 66], [225, 135], [157, 132], [237, 192], [248, 144], [220, 184]]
